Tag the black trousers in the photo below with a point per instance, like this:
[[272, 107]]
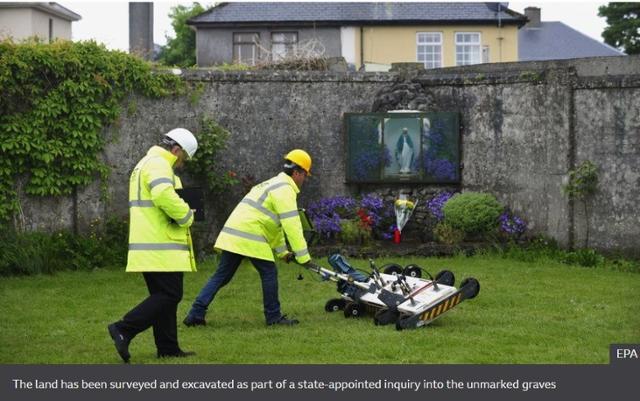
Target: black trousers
[[158, 310]]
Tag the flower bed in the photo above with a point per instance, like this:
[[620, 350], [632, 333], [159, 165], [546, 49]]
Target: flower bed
[[346, 221]]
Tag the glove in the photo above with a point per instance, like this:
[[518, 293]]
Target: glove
[[288, 257]]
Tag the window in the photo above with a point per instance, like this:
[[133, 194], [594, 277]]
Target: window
[[283, 44], [50, 30], [468, 48], [245, 47], [485, 54], [429, 49]]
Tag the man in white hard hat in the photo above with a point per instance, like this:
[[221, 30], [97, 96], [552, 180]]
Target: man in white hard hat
[[160, 244]]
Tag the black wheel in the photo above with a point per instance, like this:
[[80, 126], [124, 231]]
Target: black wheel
[[412, 271], [353, 309], [446, 277], [470, 287], [334, 305], [392, 268]]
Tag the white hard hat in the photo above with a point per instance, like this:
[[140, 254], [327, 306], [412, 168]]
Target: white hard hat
[[185, 139]]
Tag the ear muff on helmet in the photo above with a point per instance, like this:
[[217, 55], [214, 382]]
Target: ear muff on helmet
[[185, 139], [300, 158]]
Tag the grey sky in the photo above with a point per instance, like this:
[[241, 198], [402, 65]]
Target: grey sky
[[107, 22]]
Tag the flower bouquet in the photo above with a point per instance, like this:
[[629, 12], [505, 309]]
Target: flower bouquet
[[404, 209]]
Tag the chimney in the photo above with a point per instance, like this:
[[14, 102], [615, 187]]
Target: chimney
[[141, 29], [533, 14]]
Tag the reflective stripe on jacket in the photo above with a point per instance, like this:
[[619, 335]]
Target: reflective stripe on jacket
[[259, 223], [159, 238]]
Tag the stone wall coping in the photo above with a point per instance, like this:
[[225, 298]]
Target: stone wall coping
[[286, 76], [611, 81]]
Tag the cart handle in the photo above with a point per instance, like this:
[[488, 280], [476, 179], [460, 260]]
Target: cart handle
[[326, 273]]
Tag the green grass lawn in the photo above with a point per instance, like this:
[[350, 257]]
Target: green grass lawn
[[542, 312]]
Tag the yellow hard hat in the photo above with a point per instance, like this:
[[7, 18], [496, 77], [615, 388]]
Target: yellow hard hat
[[301, 158]]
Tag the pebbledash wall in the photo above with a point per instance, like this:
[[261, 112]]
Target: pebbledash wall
[[524, 125]]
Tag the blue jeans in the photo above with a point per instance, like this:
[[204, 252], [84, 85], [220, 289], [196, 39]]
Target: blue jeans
[[227, 267]]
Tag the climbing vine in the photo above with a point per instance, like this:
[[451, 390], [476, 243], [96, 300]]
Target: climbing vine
[[56, 100], [582, 185], [206, 165]]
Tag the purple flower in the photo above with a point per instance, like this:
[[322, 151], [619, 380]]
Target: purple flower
[[436, 204], [441, 169], [438, 159], [512, 224], [367, 163], [327, 225], [371, 202], [327, 213], [388, 234]]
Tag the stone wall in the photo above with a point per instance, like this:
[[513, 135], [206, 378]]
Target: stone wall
[[524, 125], [607, 132]]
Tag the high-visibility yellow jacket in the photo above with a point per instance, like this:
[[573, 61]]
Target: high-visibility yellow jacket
[[159, 238], [258, 225]]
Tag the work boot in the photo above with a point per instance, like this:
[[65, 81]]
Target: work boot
[[120, 341], [179, 354], [284, 321], [191, 321]]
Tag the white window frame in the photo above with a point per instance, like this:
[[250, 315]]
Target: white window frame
[[281, 49], [429, 47], [468, 52], [237, 52]]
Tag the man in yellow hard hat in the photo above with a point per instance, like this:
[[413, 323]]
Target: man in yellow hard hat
[[160, 244], [256, 229]]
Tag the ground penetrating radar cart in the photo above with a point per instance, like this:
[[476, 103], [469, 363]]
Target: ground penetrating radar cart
[[395, 294]]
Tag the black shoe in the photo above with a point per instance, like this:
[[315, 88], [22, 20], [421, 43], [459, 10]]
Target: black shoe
[[190, 321], [284, 321], [179, 354], [120, 341]]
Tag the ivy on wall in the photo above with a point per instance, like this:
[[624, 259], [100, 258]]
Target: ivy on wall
[[206, 165], [55, 101]]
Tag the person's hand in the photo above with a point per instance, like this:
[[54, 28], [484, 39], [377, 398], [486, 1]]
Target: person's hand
[[288, 257]]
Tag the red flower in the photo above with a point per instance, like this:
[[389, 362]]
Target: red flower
[[365, 220]]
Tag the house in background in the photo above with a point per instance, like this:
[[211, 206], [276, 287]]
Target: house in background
[[48, 21], [539, 40], [372, 35]]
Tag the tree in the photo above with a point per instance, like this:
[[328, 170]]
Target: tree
[[181, 50], [623, 31]]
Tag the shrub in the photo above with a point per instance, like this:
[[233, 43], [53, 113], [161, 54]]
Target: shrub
[[584, 257], [353, 232], [543, 249], [206, 164], [472, 212], [31, 253], [624, 265], [37, 253], [448, 235]]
